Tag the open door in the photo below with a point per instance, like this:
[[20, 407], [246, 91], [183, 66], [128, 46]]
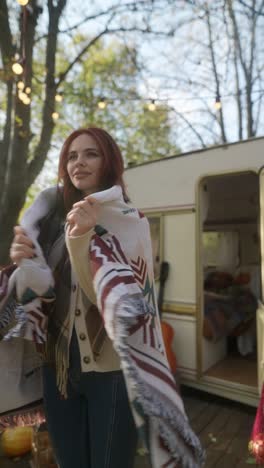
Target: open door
[[230, 282], [260, 312]]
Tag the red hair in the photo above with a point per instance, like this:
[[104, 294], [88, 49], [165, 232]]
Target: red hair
[[112, 168]]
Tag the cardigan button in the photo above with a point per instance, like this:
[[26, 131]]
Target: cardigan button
[[82, 336], [77, 312], [87, 359]]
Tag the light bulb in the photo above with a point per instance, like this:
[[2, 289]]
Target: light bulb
[[102, 104], [23, 2], [20, 85], [152, 106], [55, 115], [26, 100], [17, 68], [22, 95], [58, 98], [217, 104]]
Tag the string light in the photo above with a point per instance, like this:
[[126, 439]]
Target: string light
[[152, 106], [28, 90], [21, 95], [218, 104], [153, 103], [17, 68], [27, 100], [20, 85], [102, 104], [24, 98], [23, 2], [58, 97]]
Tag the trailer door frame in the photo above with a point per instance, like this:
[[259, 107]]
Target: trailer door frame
[[260, 311]]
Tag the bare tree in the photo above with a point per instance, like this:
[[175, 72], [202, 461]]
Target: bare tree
[[217, 65]]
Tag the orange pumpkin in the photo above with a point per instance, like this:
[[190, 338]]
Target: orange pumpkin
[[17, 441]]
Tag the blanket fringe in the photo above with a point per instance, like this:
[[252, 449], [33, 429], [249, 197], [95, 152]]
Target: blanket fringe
[[183, 445]]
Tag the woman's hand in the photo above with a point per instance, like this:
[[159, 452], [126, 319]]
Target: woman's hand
[[83, 216], [22, 247]]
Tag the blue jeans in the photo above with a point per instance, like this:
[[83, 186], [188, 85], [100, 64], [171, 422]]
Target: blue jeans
[[93, 427]]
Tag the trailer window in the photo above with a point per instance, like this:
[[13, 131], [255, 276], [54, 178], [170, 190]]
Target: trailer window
[[220, 249]]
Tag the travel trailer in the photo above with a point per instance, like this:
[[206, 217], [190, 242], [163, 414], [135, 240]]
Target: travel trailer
[[206, 213]]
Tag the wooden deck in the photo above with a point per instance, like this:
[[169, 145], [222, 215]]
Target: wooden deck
[[223, 427]]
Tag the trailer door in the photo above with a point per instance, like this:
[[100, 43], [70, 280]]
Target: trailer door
[[260, 311]]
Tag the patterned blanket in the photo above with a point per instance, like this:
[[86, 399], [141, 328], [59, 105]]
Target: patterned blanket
[[123, 280]]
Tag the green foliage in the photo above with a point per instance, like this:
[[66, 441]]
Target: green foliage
[[111, 71]]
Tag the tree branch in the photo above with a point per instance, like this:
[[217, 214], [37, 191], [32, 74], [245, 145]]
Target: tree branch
[[6, 46], [50, 88], [124, 7], [215, 72], [78, 57], [258, 12], [235, 64], [116, 9], [191, 127], [95, 39]]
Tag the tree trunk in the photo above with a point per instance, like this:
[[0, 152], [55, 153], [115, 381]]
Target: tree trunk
[[8, 219]]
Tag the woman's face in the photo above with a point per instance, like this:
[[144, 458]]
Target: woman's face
[[84, 164]]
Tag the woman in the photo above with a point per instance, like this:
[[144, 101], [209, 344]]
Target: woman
[[101, 256]]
